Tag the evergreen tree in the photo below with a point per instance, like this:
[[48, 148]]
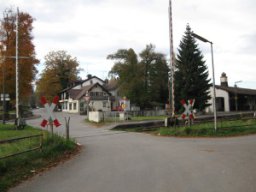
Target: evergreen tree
[[191, 75]]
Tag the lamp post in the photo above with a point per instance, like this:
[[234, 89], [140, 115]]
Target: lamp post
[[236, 97], [213, 77]]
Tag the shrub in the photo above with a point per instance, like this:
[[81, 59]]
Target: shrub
[[202, 131], [188, 130]]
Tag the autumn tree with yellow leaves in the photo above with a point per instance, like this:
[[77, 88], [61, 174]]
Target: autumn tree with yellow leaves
[[61, 69], [27, 57]]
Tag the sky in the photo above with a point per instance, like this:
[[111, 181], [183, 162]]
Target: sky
[[92, 29]]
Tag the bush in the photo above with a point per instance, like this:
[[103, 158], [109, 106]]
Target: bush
[[188, 130], [202, 131]]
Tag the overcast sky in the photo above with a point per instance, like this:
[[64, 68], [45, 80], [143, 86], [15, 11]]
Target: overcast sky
[[92, 29]]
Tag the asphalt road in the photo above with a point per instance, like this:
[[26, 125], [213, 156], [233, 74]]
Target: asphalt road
[[114, 161]]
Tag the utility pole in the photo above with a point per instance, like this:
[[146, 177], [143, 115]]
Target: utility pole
[[172, 65], [17, 67]]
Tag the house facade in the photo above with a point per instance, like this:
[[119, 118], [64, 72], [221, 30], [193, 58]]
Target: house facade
[[87, 95], [232, 98]]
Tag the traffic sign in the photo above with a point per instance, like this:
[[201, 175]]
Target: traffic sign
[[5, 97], [188, 108], [49, 112]]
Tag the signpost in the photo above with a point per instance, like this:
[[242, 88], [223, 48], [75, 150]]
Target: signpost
[[50, 118], [87, 99], [124, 104]]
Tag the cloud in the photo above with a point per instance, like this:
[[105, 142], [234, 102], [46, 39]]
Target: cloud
[[248, 44], [92, 29]]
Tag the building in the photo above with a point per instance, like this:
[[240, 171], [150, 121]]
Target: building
[[232, 98], [112, 87], [90, 94]]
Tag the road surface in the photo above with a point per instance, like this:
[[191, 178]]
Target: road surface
[[113, 161]]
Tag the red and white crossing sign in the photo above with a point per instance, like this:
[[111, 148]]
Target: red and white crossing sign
[[49, 112], [188, 108]]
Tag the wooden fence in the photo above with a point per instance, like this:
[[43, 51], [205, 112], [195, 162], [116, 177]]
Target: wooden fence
[[13, 140]]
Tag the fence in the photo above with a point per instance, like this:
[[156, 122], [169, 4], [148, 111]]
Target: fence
[[146, 113], [224, 121], [17, 148], [239, 122]]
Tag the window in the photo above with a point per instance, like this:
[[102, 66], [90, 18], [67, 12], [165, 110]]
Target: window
[[104, 104], [70, 106], [65, 105], [74, 106], [92, 93]]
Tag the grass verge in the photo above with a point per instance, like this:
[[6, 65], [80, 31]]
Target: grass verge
[[110, 120], [225, 129], [17, 168]]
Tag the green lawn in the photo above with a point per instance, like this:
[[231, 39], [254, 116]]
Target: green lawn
[[9, 131], [14, 169]]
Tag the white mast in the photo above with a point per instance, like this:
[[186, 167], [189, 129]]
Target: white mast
[[17, 67], [172, 65]]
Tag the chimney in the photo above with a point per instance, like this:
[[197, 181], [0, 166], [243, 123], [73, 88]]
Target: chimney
[[224, 80], [89, 76]]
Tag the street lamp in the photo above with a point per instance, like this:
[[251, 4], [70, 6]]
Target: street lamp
[[236, 97], [213, 76]]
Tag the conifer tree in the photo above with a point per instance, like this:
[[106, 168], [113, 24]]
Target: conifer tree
[[191, 75]]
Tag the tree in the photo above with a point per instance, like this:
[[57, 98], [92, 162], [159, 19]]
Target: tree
[[61, 69], [143, 80], [155, 69], [191, 75], [127, 70], [26, 48]]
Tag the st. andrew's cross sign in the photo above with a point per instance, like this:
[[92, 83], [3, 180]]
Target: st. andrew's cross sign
[[49, 117], [188, 109]]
